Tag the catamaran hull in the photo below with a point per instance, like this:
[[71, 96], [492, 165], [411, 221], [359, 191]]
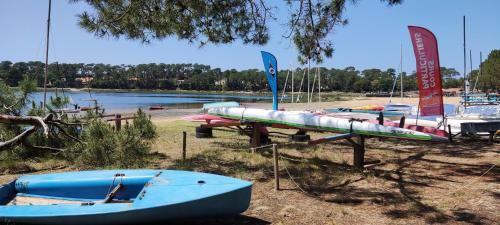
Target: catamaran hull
[[307, 120]]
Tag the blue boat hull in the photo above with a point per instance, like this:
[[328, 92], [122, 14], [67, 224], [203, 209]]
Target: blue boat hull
[[166, 195]]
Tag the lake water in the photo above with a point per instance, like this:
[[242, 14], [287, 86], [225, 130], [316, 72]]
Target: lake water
[[116, 101]]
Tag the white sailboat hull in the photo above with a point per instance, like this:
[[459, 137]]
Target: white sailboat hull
[[307, 120]]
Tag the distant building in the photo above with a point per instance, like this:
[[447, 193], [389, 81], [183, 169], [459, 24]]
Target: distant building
[[84, 80], [221, 82]]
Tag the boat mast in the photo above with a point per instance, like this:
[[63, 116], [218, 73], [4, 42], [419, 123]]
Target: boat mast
[[470, 68], [46, 58], [292, 85], [465, 69], [319, 84], [480, 70], [308, 82], [401, 70]]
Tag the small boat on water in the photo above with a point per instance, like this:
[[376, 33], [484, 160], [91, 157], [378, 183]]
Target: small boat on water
[[86, 108], [121, 197], [156, 107]]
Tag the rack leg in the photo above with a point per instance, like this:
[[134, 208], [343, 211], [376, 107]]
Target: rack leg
[[359, 152], [276, 168], [256, 135]]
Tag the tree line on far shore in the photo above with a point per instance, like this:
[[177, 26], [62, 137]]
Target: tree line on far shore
[[204, 78]]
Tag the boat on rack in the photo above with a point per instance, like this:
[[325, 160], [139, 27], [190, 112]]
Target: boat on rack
[[370, 107], [400, 108], [376, 112], [207, 106], [121, 197], [312, 121]]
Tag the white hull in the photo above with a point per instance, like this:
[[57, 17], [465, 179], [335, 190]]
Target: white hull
[[307, 120]]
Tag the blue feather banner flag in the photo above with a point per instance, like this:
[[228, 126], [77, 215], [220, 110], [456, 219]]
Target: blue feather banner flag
[[271, 68]]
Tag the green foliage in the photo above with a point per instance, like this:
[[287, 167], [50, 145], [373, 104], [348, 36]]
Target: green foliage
[[59, 101], [131, 148], [13, 101], [104, 147], [202, 77], [97, 148], [143, 124], [218, 21], [101, 145], [453, 83], [490, 78], [193, 20]]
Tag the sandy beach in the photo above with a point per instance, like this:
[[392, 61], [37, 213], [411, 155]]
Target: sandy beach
[[175, 113]]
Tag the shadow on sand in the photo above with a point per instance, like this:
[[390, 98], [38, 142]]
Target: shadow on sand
[[336, 182]]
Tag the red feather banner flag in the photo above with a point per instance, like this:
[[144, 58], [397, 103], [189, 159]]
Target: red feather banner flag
[[428, 71]]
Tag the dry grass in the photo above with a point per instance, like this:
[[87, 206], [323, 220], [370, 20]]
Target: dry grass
[[408, 183]]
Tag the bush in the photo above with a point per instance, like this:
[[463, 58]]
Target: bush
[[143, 124], [98, 146], [131, 149], [103, 147]]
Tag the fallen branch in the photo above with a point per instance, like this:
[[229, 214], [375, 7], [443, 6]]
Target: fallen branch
[[18, 138], [33, 120], [69, 124]]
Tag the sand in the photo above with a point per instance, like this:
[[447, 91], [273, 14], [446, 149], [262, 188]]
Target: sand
[[175, 113]]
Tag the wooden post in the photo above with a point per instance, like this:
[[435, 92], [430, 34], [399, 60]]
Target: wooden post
[[276, 168], [450, 136], [256, 135], [118, 122], [359, 152], [380, 118], [402, 122], [183, 145]]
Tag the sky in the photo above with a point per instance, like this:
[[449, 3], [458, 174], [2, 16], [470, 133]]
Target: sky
[[372, 39]]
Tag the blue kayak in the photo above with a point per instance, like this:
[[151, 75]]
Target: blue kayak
[[121, 197]]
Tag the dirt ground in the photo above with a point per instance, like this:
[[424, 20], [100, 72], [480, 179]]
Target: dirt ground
[[404, 182]]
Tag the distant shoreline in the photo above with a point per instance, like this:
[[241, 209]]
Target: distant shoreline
[[324, 94], [249, 93]]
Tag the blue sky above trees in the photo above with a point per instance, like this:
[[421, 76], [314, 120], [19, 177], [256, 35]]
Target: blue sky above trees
[[371, 39]]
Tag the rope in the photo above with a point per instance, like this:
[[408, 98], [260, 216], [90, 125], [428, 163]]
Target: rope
[[121, 175], [470, 183], [300, 88], [312, 88], [291, 178], [284, 86], [280, 157], [260, 147]]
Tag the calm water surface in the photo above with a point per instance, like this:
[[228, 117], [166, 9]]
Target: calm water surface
[[131, 100]]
